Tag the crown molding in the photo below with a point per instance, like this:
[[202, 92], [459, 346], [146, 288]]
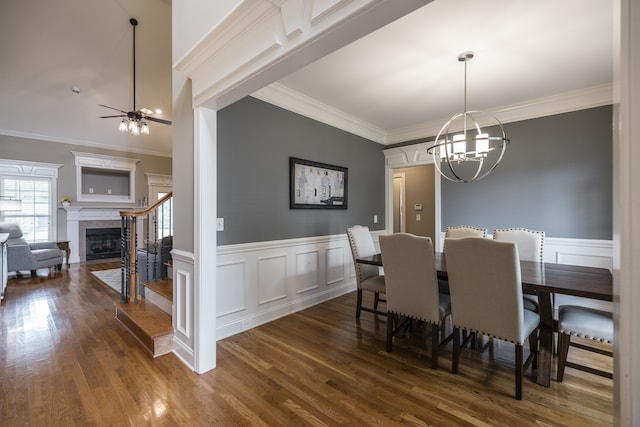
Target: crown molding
[[281, 96], [541, 107], [296, 102], [82, 143]]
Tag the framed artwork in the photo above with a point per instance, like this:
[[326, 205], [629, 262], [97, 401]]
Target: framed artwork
[[316, 185]]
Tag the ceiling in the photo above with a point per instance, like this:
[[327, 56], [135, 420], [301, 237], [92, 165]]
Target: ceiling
[[393, 85]]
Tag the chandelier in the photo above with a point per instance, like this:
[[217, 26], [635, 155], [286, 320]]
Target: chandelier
[[135, 126], [463, 151]]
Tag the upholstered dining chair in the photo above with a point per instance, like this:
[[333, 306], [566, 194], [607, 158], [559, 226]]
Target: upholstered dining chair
[[412, 288], [584, 322], [368, 277], [459, 232], [530, 245], [486, 298]]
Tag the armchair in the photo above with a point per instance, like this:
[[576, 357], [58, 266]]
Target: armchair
[[22, 255]]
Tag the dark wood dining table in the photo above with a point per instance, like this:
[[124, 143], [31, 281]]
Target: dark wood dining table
[[544, 279]]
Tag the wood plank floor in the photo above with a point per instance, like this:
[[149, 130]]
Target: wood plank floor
[[64, 361]]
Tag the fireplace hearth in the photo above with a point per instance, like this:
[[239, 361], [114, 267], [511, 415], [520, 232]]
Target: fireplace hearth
[[102, 243]]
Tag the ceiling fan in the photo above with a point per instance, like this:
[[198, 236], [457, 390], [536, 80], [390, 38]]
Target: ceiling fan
[[135, 121]]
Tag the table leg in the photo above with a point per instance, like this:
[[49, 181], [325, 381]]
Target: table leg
[[545, 351]]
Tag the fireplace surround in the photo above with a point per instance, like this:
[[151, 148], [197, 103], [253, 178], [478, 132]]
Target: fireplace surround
[[81, 218]]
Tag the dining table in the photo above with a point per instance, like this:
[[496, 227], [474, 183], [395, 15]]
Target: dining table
[[544, 279]]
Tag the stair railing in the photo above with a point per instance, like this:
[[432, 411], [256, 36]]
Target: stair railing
[[154, 227]]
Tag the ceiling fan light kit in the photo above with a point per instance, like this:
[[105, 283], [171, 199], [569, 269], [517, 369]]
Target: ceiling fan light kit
[[462, 151], [135, 121]]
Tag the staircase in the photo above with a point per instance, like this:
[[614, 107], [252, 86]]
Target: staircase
[[144, 309]]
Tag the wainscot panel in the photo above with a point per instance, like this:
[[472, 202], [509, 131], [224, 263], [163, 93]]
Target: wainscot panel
[[260, 282], [183, 306]]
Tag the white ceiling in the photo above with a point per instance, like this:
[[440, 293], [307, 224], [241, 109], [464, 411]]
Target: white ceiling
[[393, 85]]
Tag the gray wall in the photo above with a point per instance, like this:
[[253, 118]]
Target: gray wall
[[556, 176], [15, 148], [183, 164], [255, 141]]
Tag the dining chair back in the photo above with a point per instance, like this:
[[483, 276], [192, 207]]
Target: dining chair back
[[486, 297], [368, 277], [462, 231], [530, 245], [583, 322], [412, 287]]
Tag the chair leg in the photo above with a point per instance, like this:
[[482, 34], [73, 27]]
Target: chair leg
[[359, 304], [435, 344], [376, 300], [33, 273], [563, 350], [392, 319], [519, 371], [533, 348], [455, 359]]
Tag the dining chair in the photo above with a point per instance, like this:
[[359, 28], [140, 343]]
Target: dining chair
[[459, 232], [530, 245], [486, 298], [368, 277], [584, 322], [412, 288]]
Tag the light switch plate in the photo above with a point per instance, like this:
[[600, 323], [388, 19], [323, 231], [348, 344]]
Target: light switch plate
[[220, 224]]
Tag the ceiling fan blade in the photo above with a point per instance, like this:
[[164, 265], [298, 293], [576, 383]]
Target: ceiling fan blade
[[146, 111], [117, 109], [108, 117], [153, 119]]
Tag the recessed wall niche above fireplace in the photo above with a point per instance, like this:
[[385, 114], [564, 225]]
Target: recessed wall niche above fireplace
[[101, 178]]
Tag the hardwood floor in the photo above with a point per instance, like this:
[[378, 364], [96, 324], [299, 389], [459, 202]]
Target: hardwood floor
[[64, 361]]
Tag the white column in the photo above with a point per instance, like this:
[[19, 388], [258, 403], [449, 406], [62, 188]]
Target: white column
[[626, 212], [205, 238]]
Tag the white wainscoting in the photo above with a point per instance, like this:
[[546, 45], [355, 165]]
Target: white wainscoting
[[260, 282], [183, 306], [586, 252]]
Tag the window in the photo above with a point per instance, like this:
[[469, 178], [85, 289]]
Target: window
[[35, 185]]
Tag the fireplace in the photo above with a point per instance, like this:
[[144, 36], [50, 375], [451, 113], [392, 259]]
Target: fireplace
[[102, 243]]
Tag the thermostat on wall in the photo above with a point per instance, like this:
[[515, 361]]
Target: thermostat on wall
[[417, 206]]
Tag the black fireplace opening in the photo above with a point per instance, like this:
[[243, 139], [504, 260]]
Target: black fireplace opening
[[102, 243]]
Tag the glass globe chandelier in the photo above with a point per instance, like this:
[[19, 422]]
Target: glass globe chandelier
[[462, 150]]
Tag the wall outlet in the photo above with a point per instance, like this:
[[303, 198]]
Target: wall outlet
[[375, 219], [109, 191], [90, 190], [220, 224]]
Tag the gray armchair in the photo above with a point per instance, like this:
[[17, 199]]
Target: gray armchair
[[22, 255]]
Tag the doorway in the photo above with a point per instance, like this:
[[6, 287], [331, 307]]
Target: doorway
[[399, 210], [414, 201]]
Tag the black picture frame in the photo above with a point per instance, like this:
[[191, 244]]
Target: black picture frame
[[315, 185]]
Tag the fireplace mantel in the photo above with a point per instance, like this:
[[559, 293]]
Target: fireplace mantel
[[77, 214]]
